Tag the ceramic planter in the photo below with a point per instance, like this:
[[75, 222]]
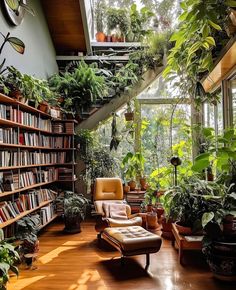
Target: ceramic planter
[[183, 230], [132, 185], [100, 36]]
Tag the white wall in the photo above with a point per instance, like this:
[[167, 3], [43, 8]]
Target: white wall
[[39, 58]]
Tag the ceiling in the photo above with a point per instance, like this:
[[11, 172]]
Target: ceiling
[[65, 25]]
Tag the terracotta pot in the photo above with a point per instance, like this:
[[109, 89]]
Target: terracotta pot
[[183, 230], [16, 94], [167, 229], [108, 38], [43, 107], [143, 183], [132, 185], [100, 36], [129, 116], [159, 211], [114, 38], [126, 188], [149, 207], [151, 220]]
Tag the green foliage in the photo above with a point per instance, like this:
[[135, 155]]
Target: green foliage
[[118, 18], [217, 151], [32, 88], [133, 165], [8, 258], [140, 20], [100, 12], [75, 205], [81, 88]]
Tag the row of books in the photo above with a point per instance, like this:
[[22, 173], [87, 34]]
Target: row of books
[[10, 181], [25, 118], [65, 173], [8, 158], [29, 157], [67, 127], [47, 213], [27, 201], [8, 135]]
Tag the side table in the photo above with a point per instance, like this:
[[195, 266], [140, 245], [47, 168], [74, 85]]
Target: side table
[[185, 242]]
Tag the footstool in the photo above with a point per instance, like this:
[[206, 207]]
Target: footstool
[[133, 240]]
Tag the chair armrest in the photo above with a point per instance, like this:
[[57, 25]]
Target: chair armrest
[[133, 215]]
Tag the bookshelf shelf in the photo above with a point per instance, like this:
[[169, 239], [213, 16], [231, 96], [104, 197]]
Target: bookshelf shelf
[[24, 143], [26, 188], [11, 221], [36, 165], [6, 145]]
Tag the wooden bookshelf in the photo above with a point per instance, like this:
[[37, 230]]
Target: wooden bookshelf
[[44, 225], [6, 145], [15, 133], [11, 221]]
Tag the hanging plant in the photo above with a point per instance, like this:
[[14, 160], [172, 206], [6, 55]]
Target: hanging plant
[[115, 139]]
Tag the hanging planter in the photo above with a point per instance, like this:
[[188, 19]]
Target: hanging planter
[[129, 114]]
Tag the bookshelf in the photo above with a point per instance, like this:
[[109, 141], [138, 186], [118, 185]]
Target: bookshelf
[[134, 199], [36, 152]]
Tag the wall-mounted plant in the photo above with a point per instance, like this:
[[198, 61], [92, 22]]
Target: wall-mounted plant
[[15, 42]]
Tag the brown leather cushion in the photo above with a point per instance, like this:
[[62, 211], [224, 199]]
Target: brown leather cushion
[[134, 238], [108, 188], [135, 221]]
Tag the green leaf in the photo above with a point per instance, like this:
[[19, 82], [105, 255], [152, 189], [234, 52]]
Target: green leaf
[[17, 44], [14, 269], [228, 134], [13, 4], [194, 47], [214, 25], [230, 3], [206, 218], [199, 165], [210, 40], [207, 61], [183, 16], [27, 8], [205, 30]]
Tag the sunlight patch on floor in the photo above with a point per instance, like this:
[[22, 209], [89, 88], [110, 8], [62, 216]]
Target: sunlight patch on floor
[[23, 283], [74, 243], [89, 279], [54, 254]]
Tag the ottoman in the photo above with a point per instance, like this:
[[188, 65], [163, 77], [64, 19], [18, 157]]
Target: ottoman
[[133, 240]]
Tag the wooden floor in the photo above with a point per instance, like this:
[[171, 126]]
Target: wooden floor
[[77, 262]]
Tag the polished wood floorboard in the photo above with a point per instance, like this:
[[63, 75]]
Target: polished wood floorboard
[[77, 262]]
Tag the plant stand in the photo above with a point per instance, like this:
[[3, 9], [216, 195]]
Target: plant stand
[[185, 243]]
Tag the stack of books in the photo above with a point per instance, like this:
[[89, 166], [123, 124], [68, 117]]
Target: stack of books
[[69, 127], [64, 173], [8, 158], [58, 127]]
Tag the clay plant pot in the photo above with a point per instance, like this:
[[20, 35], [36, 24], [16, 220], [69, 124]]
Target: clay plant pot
[[151, 220], [126, 188], [183, 230], [132, 185], [114, 38], [16, 94], [167, 229], [108, 38], [143, 183], [129, 116], [100, 36], [43, 107]]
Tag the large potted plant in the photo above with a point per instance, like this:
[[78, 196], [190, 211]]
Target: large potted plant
[[75, 206], [26, 233], [219, 243], [8, 260]]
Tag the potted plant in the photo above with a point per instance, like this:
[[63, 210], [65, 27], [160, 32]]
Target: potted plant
[[8, 259], [26, 233], [129, 114], [219, 242], [100, 16], [118, 22], [75, 206]]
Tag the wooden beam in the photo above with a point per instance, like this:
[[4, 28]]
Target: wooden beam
[[105, 112], [222, 68]]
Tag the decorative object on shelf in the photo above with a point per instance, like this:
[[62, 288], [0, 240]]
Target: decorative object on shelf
[[75, 206], [16, 9], [17, 45], [8, 258]]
